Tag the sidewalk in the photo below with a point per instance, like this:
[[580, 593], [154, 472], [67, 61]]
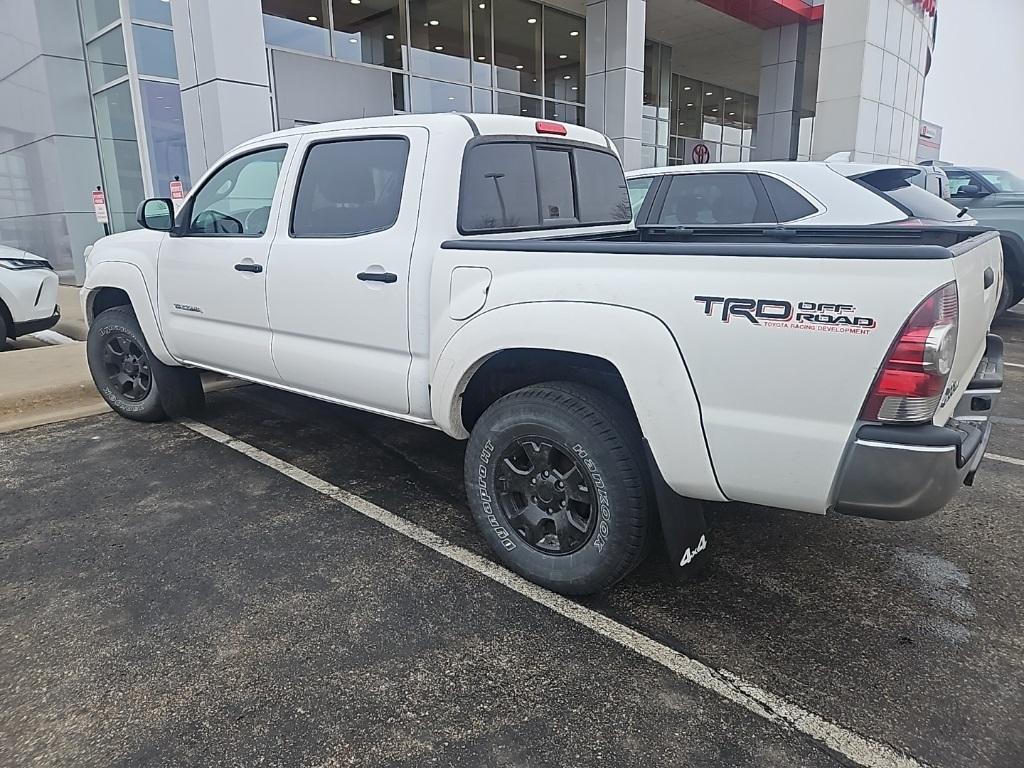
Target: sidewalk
[[46, 385], [71, 324]]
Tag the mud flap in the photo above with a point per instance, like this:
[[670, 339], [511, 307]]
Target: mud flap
[[682, 524]]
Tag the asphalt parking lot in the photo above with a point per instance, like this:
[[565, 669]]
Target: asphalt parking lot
[[168, 599]]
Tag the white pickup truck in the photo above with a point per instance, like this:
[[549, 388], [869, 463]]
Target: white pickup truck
[[481, 275]]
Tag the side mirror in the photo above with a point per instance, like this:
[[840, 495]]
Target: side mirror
[[156, 213], [969, 190]]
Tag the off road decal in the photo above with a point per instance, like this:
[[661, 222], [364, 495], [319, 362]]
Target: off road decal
[[487, 502], [779, 313], [603, 507]]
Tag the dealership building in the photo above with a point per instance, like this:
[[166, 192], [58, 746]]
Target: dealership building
[[129, 95]]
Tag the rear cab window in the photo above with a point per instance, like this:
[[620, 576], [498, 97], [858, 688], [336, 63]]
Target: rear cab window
[[896, 186], [511, 184]]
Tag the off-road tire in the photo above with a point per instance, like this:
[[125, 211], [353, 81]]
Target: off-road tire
[[604, 436], [172, 391]]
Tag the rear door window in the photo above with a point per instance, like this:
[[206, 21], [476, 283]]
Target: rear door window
[[789, 205], [516, 185], [638, 189], [714, 199], [895, 185], [350, 187]]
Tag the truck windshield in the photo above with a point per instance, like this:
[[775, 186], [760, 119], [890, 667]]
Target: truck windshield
[[510, 185], [1004, 181], [896, 185]]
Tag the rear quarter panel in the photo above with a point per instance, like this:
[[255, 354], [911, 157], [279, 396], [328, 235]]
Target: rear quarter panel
[[778, 402]]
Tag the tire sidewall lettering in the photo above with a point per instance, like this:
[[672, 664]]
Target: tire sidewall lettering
[[486, 500], [603, 503]]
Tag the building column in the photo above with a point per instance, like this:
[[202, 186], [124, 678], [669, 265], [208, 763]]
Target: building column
[[222, 70], [783, 50], [874, 58], [615, 73]]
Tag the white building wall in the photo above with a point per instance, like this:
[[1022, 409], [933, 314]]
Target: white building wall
[[874, 57]]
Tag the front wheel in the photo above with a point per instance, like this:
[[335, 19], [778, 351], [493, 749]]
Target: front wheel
[[556, 485], [132, 381]]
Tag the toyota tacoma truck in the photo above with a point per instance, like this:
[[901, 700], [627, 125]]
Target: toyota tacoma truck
[[481, 275]]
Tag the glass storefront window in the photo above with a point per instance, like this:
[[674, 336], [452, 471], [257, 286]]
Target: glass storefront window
[[711, 114], [119, 154], [514, 104], [107, 58], [732, 118], [97, 14], [165, 134], [440, 39], [686, 107], [481, 12], [564, 44], [154, 51], [483, 101], [297, 24], [370, 31], [400, 92], [749, 121], [435, 96], [565, 113], [158, 11], [517, 46]]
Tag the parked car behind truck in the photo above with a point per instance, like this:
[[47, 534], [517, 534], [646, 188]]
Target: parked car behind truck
[[996, 199], [600, 373]]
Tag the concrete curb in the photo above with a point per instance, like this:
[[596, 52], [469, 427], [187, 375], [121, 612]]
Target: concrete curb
[[47, 385]]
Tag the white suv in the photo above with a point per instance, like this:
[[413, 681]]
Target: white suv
[[823, 194], [28, 294]]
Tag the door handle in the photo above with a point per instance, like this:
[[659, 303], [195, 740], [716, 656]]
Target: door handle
[[990, 277], [379, 277], [254, 268]]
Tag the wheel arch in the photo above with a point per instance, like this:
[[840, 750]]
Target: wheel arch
[[115, 283], [623, 351], [8, 318]]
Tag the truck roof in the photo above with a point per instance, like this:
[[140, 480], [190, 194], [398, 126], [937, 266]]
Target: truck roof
[[479, 124]]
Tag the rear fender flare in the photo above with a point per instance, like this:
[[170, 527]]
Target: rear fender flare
[[638, 344], [129, 278]]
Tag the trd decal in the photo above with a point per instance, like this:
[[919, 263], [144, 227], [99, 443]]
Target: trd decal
[[779, 313]]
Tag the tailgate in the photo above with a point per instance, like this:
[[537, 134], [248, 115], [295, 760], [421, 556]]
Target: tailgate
[[978, 265]]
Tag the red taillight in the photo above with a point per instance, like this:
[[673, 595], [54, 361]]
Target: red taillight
[[543, 126], [909, 386]]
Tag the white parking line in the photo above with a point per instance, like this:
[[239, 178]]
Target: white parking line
[[1014, 365], [1007, 459], [774, 708]]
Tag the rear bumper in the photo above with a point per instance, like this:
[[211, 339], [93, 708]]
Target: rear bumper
[[904, 473]]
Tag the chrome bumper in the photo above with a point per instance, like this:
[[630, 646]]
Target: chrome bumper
[[904, 473]]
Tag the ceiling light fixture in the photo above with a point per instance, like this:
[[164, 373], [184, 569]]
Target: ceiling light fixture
[[481, 58], [389, 37], [438, 47], [353, 40], [567, 77], [434, 22], [519, 66], [312, 18], [575, 88], [563, 55], [531, 21], [482, 6], [574, 33], [709, 93], [690, 104], [687, 87]]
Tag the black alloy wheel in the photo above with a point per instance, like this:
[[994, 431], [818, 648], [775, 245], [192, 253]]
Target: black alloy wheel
[[546, 496], [127, 367]]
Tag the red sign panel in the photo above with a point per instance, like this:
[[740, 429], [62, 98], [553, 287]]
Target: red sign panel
[[930, 7], [177, 190]]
